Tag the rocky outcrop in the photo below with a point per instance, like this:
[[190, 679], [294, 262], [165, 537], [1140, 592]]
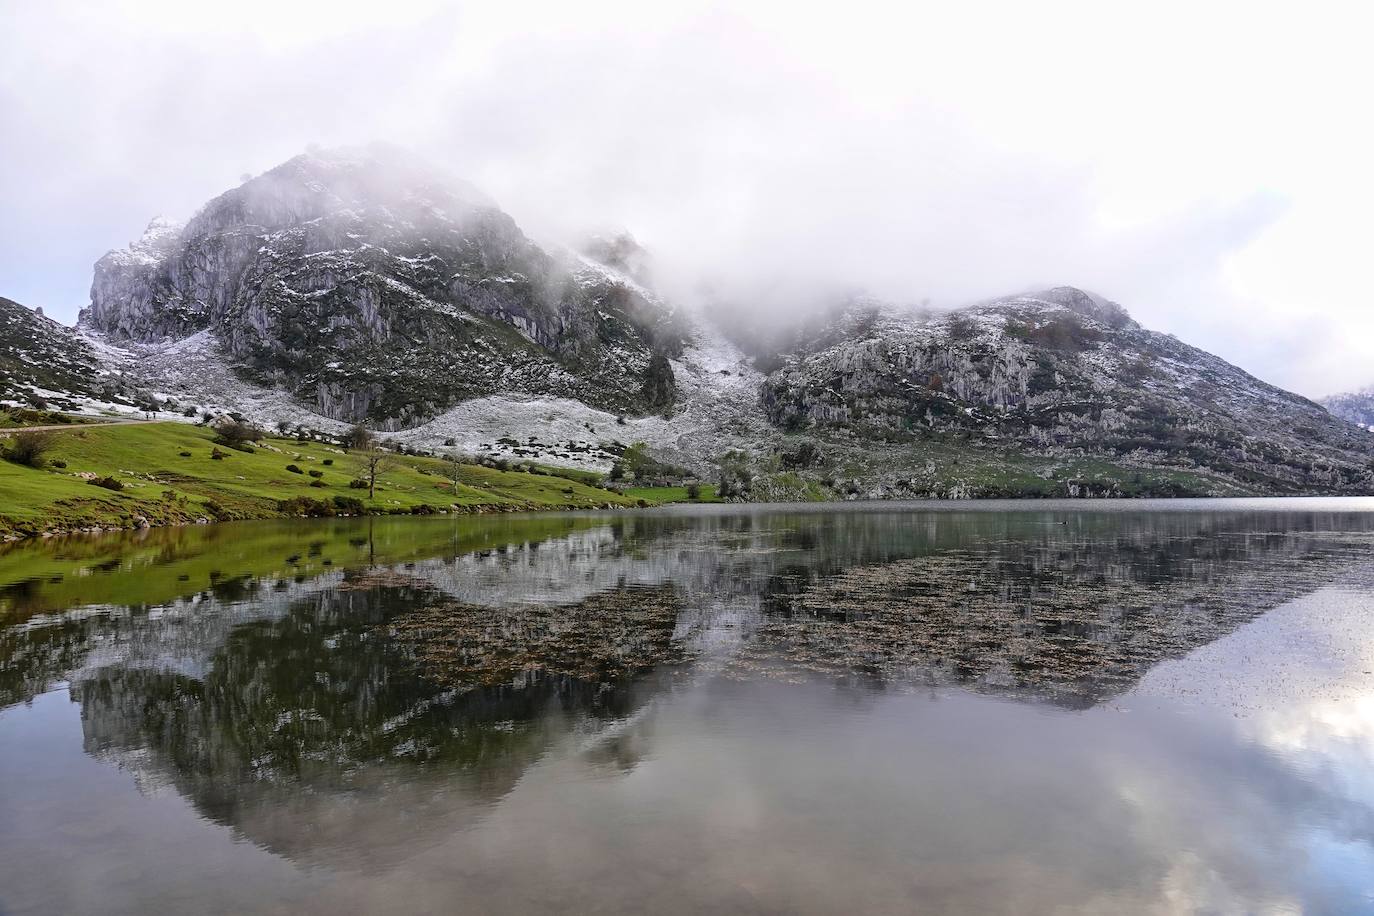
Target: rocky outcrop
[[1355, 406], [374, 288], [1065, 372], [47, 364]]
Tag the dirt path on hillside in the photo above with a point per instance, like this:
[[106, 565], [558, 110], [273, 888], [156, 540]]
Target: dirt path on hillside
[[62, 426]]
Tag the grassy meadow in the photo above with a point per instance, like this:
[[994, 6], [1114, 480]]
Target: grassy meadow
[[167, 475]]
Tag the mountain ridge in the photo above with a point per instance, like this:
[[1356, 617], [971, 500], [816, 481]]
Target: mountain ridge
[[432, 296], [1355, 406], [366, 286]]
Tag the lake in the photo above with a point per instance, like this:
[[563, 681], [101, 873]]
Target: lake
[[1115, 707]]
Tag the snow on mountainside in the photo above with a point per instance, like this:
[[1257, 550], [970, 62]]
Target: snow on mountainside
[[374, 288], [367, 286], [1355, 406], [1065, 372], [47, 364], [718, 409]]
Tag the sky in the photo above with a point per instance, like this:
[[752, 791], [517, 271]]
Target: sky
[[1207, 165]]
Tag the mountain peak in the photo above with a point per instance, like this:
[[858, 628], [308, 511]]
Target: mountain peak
[[1079, 301], [371, 283]]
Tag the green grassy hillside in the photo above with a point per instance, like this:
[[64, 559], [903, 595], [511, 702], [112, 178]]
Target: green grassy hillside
[[169, 477]]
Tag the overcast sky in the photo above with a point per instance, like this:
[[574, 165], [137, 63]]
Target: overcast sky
[[1206, 165]]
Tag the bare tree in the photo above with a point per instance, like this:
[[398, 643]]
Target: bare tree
[[377, 460], [453, 471]]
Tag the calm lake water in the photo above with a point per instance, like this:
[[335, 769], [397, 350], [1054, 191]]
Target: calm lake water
[[970, 707]]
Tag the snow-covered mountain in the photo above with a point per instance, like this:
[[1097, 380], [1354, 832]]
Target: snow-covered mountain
[[1355, 406], [374, 288], [367, 286], [1062, 371]]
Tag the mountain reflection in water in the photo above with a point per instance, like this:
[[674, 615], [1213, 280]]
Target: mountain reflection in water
[[744, 693]]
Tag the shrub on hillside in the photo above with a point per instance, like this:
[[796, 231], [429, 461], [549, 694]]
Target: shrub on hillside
[[217, 455], [318, 483], [29, 447], [294, 469], [314, 473], [304, 505], [109, 483], [358, 437], [350, 504], [216, 511], [357, 483], [184, 454], [238, 433], [327, 462]]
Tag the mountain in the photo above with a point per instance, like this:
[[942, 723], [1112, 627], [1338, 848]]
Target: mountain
[[1355, 406], [367, 286], [47, 364], [1067, 373], [374, 288]]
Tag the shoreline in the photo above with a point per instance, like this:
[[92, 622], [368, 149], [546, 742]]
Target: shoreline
[[1289, 503]]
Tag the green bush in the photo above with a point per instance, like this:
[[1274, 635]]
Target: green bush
[[318, 483], [304, 505], [108, 483], [29, 447], [350, 504], [314, 473], [58, 463], [327, 462], [294, 469], [357, 483], [218, 455], [184, 454]]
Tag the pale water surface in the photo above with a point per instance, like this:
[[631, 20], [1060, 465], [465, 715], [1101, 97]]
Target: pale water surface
[[972, 707]]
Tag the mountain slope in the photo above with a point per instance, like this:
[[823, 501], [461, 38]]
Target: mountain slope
[[374, 288], [365, 286], [1063, 373], [47, 364], [1355, 406]]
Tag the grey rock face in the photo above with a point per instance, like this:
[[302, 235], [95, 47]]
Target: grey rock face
[[1065, 372], [374, 288], [1355, 406]]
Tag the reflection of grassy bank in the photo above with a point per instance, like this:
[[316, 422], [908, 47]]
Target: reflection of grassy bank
[[169, 477], [159, 565]]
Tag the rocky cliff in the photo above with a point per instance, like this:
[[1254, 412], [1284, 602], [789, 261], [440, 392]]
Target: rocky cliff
[[1355, 406], [374, 288], [367, 286], [1063, 373]]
